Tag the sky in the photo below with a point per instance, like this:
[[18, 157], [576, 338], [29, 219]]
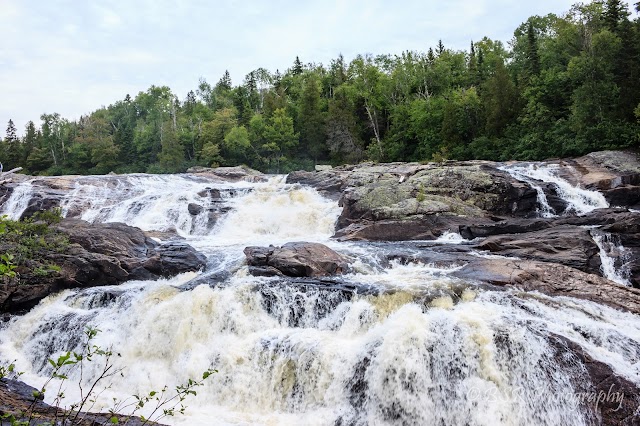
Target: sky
[[72, 57]]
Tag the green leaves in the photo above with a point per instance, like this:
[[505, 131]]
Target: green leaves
[[7, 268]]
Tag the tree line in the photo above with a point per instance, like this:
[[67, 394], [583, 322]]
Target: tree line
[[565, 86]]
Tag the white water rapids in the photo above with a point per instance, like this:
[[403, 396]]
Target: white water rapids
[[428, 349], [579, 200]]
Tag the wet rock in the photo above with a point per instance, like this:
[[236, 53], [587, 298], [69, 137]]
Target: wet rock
[[608, 169], [325, 181], [102, 254], [16, 297], [17, 399], [5, 193], [174, 258], [299, 259], [507, 226], [231, 174], [213, 193], [608, 397], [41, 202], [117, 250], [552, 279], [566, 245], [624, 196], [427, 228], [195, 209]]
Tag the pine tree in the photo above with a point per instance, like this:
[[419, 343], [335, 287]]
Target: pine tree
[[431, 58], [533, 58], [225, 81], [13, 149], [297, 67], [440, 48], [11, 133], [615, 12], [473, 65], [311, 121]]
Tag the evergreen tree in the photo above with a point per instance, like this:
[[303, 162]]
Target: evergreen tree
[[11, 136], [473, 65], [500, 101], [532, 56], [297, 67], [29, 141], [12, 155], [440, 48], [431, 58], [311, 121], [615, 12], [225, 82]]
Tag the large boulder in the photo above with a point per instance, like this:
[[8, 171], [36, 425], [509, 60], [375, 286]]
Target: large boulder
[[118, 252], [468, 190], [299, 259], [100, 254], [615, 173]]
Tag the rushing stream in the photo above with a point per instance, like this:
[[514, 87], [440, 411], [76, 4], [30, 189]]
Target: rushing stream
[[419, 348]]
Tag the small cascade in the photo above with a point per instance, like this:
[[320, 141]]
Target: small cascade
[[150, 202], [523, 174], [276, 213], [579, 201], [18, 201], [450, 237], [614, 257]]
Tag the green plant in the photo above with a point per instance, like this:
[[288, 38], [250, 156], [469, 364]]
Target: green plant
[[28, 244], [420, 197], [8, 371], [7, 267], [441, 155]]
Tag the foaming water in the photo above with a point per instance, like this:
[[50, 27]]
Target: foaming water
[[332, 357], [150, 202], [274, 213], [450, 237], [614, 257], [18, 202], [580, 201], [419, 346]]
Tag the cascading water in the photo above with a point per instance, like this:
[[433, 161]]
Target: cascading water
[[422, 347], [580, 201], [614, 257], [18, 202], [150, 202]]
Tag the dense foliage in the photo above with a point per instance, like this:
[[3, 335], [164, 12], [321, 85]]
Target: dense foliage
[[27, 247], [565, 86]]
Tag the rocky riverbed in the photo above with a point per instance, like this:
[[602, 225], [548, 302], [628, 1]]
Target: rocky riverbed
[[562, 228]]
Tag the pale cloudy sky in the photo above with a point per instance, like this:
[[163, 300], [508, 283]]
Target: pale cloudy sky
[[74, 56]]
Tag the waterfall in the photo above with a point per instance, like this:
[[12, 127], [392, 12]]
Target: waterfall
[[423, 347], [19, 200], [150, 202], [579, 201], [614, 257], [525, 174]]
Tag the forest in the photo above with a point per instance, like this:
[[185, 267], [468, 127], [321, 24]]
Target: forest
[[564, 86]]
